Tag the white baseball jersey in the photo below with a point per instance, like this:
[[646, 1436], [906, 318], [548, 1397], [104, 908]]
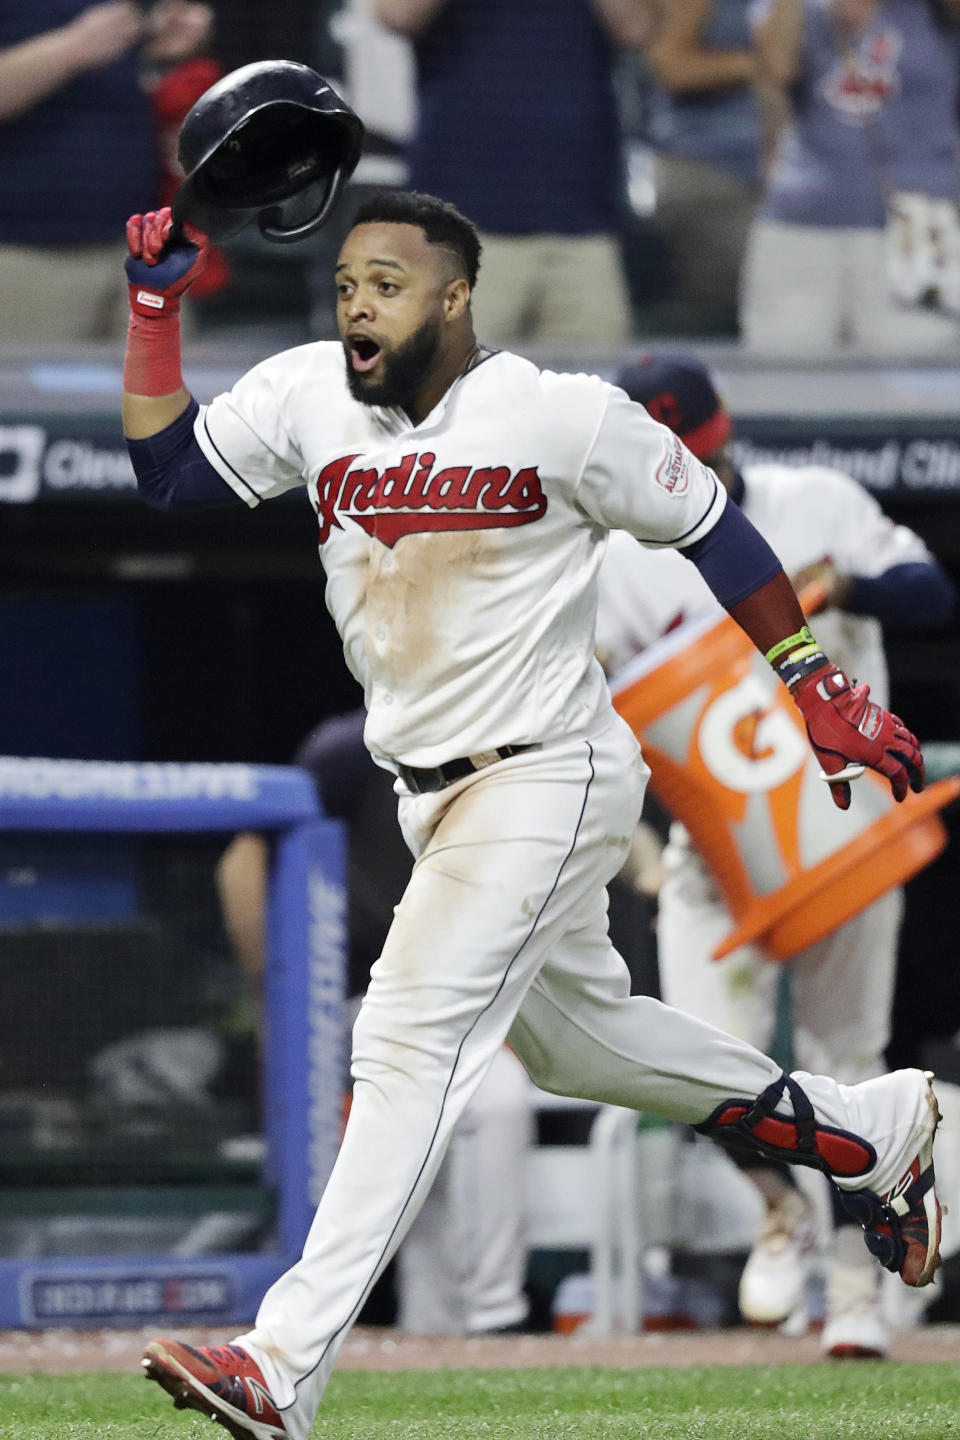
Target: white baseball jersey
[[806, 514], [462, 553]]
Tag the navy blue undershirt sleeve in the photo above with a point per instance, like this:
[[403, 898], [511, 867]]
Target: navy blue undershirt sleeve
[[914, 596], [733, 557], [172, 471]]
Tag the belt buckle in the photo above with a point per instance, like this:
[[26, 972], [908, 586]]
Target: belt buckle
[[483, 758], [422, 781]]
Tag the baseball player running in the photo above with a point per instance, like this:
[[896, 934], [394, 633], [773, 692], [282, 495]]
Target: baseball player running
[[463, 502], [824, 527]]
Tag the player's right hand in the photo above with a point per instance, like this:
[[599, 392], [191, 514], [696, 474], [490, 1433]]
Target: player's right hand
[[848, 731], [160, 269]]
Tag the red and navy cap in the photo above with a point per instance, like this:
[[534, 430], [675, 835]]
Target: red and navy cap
[[677, 391]]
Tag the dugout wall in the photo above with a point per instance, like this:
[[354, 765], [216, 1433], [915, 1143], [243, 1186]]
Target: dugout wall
[[302, 1041]]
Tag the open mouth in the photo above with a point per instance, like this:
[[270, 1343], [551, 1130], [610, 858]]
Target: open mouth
[[364, 354]]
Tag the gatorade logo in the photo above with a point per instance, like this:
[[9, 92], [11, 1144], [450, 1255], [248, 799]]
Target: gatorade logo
[[747, 745], [147, 297]]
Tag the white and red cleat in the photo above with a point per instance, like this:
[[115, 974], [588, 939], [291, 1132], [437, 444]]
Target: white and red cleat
[[221, 1381], [901, 1221]]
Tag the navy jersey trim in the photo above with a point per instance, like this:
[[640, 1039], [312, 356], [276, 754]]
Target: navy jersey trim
[[233, 470]]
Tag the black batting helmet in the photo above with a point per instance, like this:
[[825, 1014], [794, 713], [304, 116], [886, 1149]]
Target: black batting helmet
[[272, 141]]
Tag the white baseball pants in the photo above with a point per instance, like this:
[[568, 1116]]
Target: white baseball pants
[[502, 930]]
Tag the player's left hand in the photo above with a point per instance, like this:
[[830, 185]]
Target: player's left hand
[[849, 731]]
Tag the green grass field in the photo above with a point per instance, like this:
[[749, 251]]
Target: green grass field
[[865, 1401]]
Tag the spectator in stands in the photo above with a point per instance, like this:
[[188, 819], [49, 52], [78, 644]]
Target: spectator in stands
[[462, 1265], [869, 91], [704, 128], [77, 156], [518, 127]]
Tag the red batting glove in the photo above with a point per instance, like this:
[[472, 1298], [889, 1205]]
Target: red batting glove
[[161, 269], [848, 731]]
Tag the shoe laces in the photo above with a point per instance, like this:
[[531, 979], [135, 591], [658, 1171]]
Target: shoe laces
[[228, 1357]]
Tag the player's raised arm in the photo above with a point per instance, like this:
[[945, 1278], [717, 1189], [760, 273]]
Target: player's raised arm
[[159, 272], [158, 409]]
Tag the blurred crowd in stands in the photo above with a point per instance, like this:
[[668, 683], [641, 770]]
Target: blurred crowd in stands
[[785, 171]]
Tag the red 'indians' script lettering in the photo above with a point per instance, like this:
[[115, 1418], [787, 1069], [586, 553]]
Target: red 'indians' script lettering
[[412, 496]]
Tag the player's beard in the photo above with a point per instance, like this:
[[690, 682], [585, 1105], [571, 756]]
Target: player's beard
[[404, 369]]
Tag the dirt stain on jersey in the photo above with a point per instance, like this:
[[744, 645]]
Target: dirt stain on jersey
[[416, 595]]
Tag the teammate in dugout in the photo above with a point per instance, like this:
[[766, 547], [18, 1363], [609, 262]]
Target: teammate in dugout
[[464, 498], [825, 528]]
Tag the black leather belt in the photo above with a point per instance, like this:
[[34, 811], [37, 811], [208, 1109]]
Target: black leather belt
[[423, 782]]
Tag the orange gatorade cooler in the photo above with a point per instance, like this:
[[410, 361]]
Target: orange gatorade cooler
[[729, 757]]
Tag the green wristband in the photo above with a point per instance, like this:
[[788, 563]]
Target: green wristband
[[802, 638]]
